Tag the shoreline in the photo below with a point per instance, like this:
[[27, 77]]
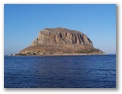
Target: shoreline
[[75, 54]]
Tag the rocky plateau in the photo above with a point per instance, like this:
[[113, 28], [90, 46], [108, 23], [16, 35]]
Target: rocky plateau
[[60, 41]]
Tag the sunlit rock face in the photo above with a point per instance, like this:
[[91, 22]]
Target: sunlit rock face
[[61, 36]]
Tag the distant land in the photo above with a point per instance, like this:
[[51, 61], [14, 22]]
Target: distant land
[[60, 41]]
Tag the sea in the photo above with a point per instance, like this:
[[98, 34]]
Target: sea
[[81, 71]]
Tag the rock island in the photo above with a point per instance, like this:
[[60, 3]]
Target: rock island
[[60, 41]]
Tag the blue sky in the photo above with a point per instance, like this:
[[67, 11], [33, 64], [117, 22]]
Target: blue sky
[[22, 23]]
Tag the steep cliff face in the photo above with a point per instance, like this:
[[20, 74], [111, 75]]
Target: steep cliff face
[[59, 41], [61, 36]]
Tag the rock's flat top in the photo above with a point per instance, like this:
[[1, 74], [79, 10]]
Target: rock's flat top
[[59, 41]]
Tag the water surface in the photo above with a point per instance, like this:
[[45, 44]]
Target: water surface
[[92, 71]]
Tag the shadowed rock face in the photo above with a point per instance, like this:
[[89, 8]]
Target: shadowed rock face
[[59, 41]]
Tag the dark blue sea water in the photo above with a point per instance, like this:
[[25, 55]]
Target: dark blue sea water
[[92, 71]]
